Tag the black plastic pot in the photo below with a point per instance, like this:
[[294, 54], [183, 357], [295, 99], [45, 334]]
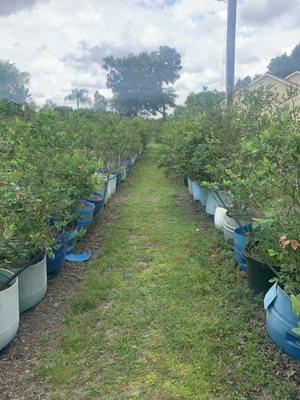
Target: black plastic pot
[[185, 180], [259, 274]]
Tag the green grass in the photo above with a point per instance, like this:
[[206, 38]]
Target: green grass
[[164, 314]]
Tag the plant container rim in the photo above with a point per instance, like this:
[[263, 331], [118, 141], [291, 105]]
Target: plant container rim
[[276, 267]]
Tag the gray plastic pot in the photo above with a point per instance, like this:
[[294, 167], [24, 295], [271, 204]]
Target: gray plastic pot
[[9, 309], [32, 285]]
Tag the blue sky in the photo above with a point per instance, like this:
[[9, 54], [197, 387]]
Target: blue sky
[[62, 42]]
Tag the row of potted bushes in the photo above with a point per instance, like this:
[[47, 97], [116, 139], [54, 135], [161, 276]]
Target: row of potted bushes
[[246, 160], [282, 314], [24, 288]]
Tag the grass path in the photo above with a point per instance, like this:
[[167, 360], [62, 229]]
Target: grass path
[[164, 314]]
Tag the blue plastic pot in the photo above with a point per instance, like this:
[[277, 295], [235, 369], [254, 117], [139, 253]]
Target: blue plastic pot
[[97, 203], [240, 241], [203, 196], [86, 215], [55, 264], [213, 201], [196, 191], [280, 321], [119, 178], [70, 235], [127, 164]]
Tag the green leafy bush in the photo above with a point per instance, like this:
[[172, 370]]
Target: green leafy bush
[[252, 153], [47, 166]]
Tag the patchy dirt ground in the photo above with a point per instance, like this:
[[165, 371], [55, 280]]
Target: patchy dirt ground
[[39, 329]]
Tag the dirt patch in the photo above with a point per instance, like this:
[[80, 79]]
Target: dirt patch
[[39, 330]]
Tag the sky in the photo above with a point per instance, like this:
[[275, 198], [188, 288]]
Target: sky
[[61, 43]]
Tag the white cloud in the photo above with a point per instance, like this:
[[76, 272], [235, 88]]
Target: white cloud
[[51, 39]]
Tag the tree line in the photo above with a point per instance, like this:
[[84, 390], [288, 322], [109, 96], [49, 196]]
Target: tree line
[[142, 84]]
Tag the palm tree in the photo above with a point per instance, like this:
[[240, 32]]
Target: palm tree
[[50, 104], [80, 95]]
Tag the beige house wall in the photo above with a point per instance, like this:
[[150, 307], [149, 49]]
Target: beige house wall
[[279, 86], [294, 79]]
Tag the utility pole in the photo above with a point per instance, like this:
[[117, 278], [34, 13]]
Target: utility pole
[[230, 50]]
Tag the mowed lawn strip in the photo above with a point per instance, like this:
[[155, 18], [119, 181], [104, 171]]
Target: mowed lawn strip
[[164, 314]]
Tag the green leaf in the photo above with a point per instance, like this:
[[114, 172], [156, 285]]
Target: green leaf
[[297, 330], [296, 304]]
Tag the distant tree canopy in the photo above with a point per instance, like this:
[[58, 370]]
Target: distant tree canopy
[[100, 102], [284, 65], [139, 82], [205, 100], [81, 96], [13, 83], [242, 83], [200, 102], [50, 104], [280, 66]]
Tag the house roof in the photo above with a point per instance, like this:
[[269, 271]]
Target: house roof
[[284, 81], [292, 74]]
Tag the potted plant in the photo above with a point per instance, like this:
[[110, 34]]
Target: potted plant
[[9, 308]]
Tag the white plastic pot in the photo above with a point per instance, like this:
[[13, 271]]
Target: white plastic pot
[[32, 285], [219, 217], [111, 188], [107, 194], [228, 228], [112, 184], [9, 309]]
